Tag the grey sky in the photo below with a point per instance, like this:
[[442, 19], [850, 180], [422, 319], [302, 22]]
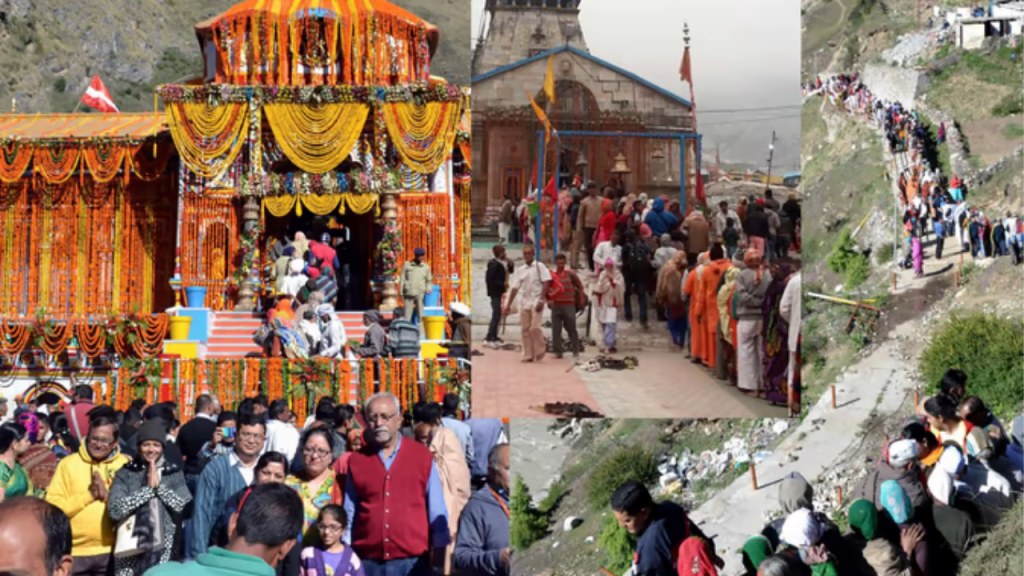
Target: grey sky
[[744, 54]]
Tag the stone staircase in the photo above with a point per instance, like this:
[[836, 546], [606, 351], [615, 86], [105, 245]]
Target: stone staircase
[[232, 333]]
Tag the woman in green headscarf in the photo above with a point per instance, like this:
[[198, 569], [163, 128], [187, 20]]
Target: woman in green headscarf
[[754, 551], [880, 554]]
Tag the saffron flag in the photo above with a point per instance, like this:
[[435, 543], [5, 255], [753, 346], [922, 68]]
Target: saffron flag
[[540, 116], [684, 70], [98, 97], [549, 80]]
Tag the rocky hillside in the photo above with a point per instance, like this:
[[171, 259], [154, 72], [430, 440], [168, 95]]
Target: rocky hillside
[[50, 49]]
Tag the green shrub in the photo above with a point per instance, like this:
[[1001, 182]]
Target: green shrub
[[626, 463], [986, 347], [60, 84], [527, 525], [1012, 103], [846, 258], [884, 253], [617, 544]]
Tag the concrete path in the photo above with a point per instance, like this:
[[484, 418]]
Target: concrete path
[[876, 386]]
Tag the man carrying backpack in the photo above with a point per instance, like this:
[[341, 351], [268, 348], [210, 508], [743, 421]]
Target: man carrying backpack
[[565, 306], [636, 270], [535, 283]]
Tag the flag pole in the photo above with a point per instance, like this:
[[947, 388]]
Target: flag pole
[[77, 106]]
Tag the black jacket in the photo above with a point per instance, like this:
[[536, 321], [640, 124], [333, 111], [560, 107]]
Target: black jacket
[[497, 277], [191, 438], [657, 545]]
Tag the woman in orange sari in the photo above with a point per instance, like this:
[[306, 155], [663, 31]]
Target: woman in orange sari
[[712, 277], [694, 290]]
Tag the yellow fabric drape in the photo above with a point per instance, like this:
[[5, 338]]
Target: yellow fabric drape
[[362, 203], [279, 206], [317, 138], [321, 204], [423, 134], [208, 138]]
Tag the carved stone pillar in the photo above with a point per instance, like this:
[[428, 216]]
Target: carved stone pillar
[[389, 214], [247, 291]]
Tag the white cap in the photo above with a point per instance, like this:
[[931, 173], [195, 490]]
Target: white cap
[[460, 308]]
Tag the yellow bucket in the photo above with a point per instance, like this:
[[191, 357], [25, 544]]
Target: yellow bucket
[[434, 327], [180, 326]]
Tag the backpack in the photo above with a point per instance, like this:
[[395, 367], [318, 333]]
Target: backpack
[[638, 263]]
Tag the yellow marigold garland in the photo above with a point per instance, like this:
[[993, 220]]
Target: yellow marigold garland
[[422, 134], [317, 138], [208, 138]]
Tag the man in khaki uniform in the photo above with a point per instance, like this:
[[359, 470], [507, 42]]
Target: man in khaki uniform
[[586, 221], [414, 282], [532, 282]]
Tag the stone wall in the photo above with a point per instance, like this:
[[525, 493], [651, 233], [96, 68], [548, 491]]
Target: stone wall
[[959, 161], [902, 85], [515, 33]]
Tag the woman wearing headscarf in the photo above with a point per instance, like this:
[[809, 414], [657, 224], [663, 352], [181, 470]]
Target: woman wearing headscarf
[[896, 503], [711, 279], [14, 481], [693, 289], [609, 294], [450, 461], [38, 460], [801, 538], [301, 245], [605, 224], [153, 491], [751, 287], [314, 298], [660, 220], [775, 335], [953, 524], [755, 551], [726, 359], [280, 270], [697, 557], [669, 293], [879, 554], [283, 340], [917, 252]]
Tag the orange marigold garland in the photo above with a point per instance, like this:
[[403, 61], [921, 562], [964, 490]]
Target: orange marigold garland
[[15, 337], [15, 156], [104, 159], [55, 337], [56, 164]]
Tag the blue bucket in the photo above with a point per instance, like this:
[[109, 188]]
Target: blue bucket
[[433, 298], [195, 296]]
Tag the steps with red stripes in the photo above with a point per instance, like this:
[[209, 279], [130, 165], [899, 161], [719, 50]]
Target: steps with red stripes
[[232, 333]]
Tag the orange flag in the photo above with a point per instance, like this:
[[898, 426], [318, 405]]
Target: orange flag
[[540, 116], [684, 70]]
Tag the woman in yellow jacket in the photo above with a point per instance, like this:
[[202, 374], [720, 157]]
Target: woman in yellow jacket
[[80, 488]]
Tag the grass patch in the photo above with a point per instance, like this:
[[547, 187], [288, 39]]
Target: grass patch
[[1012, 103], [527, 524], [624, 464], [617, 544], [1013, 131], [884, 253], [980, 84], [987, 348], [1001, 552]]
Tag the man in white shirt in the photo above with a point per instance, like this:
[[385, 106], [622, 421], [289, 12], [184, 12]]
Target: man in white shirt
[[721, 216], [609, 249], [531, 282], [281, 436]]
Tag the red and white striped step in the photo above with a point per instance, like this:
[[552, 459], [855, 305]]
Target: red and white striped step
[[232, 333]]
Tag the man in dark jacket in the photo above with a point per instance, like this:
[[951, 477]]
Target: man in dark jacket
[[499, 270], [482, 546], [403, 335], [194, 435], [659, 529], [636, 271]]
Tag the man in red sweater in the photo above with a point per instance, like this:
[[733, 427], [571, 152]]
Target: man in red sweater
[[398, 522], [78, 414], [563, 309]]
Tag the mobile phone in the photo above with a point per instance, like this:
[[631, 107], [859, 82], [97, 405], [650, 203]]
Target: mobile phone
[[227, 432]]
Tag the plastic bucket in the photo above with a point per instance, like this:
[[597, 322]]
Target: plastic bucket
[[432, 298], [433, 311], [195, 296], [434, 327], [180, 326]]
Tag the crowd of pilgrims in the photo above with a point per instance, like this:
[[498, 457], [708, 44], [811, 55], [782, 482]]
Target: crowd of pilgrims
[[362, 493], [723, 283], [303, 322], [926, 195], [930, 495]]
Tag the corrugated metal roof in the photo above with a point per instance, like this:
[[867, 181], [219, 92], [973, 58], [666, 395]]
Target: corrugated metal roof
[[128, 126]]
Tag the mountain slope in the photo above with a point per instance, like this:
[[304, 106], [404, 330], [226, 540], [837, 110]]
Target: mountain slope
[[50, 49]]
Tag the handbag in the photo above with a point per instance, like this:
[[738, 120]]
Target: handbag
[[611, 315], [141, 532]]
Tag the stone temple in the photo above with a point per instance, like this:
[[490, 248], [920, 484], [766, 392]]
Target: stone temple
[[591, 94]]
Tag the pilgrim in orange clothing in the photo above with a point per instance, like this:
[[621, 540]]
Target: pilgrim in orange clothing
[[712, 276], [694, 291]]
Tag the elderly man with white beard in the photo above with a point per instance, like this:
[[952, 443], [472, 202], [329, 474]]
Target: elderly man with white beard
[[393, 496]]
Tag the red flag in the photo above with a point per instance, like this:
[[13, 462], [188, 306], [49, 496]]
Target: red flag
[[700, 190], [577, 181], [97, 96], [550, 189]]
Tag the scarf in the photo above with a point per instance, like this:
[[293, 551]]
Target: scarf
[[801, 529], [896, 502], [864, 518], [756, 549], [695, 558]]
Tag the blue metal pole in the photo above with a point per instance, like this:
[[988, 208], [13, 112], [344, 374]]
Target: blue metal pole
[[700, 148], [540, 187], [682, 173]]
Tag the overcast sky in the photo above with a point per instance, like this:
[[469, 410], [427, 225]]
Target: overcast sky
[[744, 54]]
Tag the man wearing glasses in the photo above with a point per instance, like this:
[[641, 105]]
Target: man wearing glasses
[[222, 478], [393, 496], [80, 488]]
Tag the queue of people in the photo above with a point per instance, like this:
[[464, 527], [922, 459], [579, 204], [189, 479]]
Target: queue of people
[[724, 286], [378, 491]]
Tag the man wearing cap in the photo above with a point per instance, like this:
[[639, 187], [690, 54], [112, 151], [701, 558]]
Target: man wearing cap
[[415, 282], [375, 338], [898, 463], [462, 328], [332, 332]]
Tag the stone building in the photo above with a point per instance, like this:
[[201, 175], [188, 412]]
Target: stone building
[[591, 94]]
